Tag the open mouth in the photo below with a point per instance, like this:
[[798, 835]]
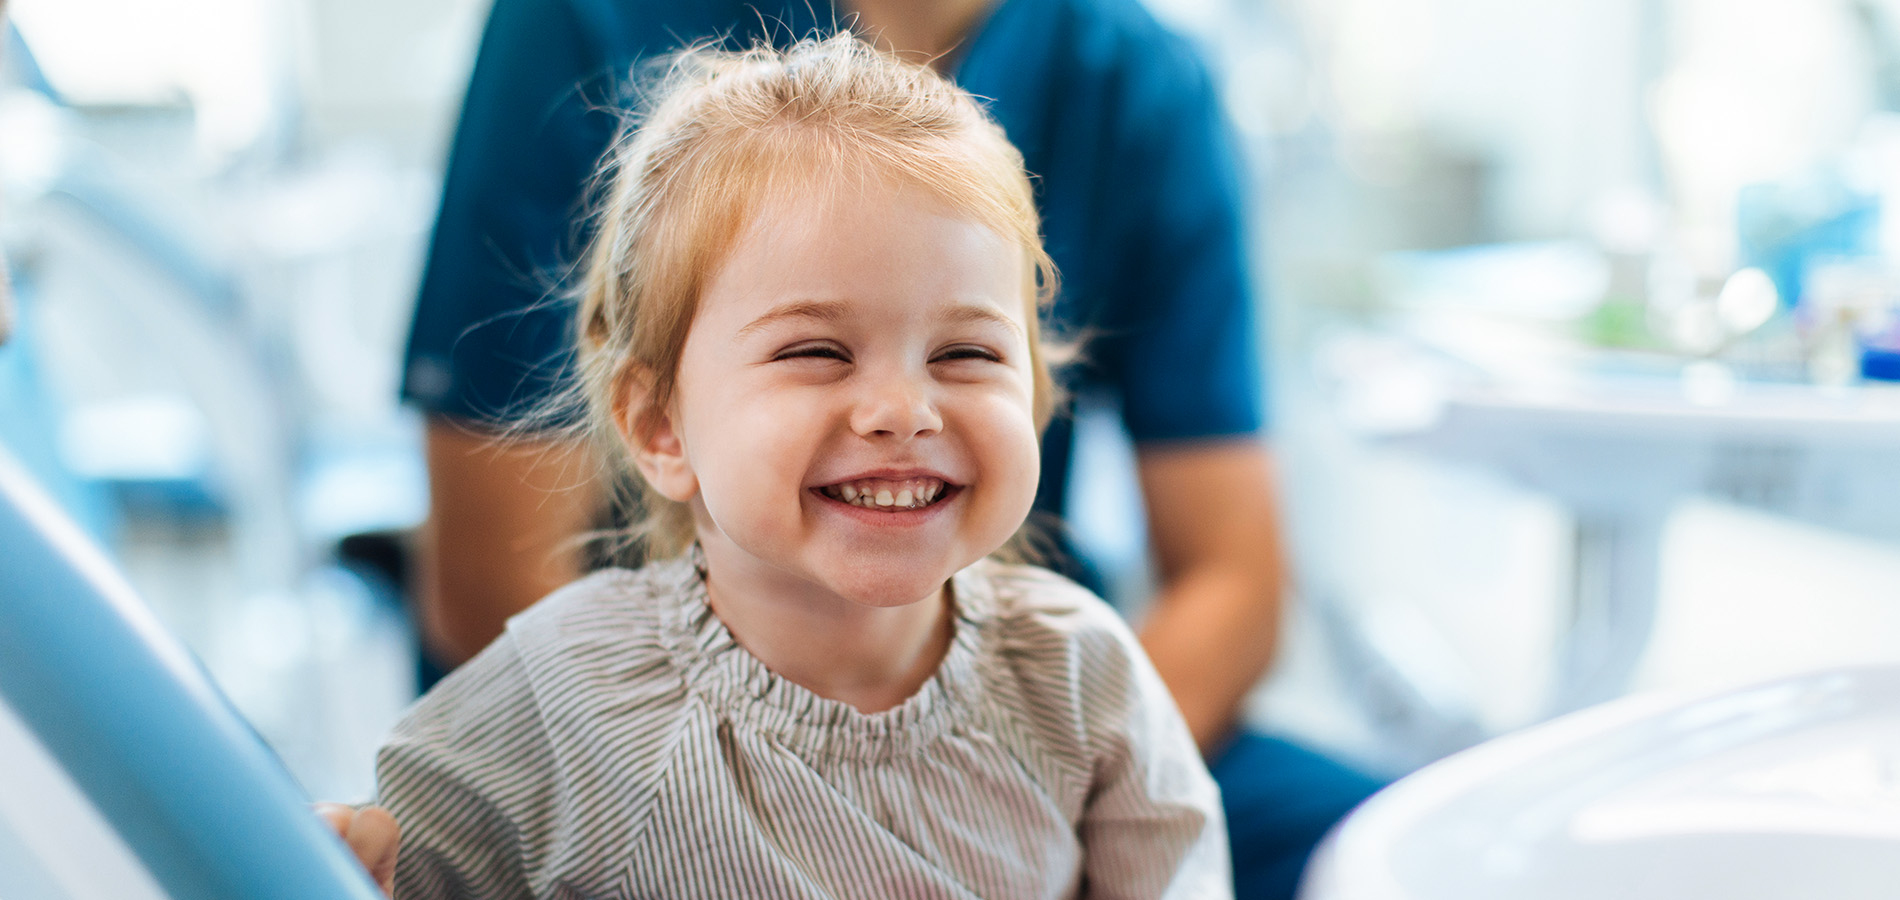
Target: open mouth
[[891, 494]]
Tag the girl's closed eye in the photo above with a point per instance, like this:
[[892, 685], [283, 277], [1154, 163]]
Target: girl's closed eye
[[960, 352], [812, 351]]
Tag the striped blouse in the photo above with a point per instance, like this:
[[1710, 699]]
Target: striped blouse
[[617, 742]]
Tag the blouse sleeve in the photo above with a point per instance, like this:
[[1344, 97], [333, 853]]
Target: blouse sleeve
[[1153, 826], [468, 777]]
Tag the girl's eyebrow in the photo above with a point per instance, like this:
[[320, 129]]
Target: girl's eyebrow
[[821, 310], [966, 314]]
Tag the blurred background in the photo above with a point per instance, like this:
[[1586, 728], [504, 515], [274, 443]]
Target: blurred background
[[1581, 314]]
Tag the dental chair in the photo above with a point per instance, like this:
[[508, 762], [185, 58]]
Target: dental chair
[[124, 773], [1785, 790]]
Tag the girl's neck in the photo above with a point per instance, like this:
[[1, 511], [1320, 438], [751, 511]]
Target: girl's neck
[[873, 658], [930, 31]]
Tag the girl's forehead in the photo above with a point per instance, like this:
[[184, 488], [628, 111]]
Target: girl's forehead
[[789, 223], [894, 252]]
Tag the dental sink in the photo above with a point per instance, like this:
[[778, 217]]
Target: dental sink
[[1784, 790]]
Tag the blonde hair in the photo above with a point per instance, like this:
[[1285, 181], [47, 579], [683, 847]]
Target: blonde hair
[[728, 133]]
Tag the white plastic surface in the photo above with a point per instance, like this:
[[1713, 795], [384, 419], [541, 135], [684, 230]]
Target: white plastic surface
[[1785, 790], [53, 843]]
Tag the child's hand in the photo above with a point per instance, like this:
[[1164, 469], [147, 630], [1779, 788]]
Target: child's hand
[[372, 836]]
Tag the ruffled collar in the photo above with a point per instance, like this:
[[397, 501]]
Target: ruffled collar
[[739, 686]]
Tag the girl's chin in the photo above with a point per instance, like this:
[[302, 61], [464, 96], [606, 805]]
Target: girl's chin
[[890, 591]]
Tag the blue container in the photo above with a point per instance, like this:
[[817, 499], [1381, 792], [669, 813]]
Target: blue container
[[1880, 364]]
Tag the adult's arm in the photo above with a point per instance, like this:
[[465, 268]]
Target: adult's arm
[[503, 529], [1179, 348], [490, 337], [1213, 527]]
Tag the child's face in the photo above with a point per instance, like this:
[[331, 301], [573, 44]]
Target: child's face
[[853, 415]]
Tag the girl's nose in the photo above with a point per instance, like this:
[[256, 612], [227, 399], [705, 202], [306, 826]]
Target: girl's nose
[[897, 406]]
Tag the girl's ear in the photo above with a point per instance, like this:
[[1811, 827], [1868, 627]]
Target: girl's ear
[[658, 452]]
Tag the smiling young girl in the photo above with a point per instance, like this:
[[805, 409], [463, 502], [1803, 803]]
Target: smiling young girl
[[810, 329]]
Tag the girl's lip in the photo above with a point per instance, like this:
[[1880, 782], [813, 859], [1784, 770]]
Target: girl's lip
[[890, 475]]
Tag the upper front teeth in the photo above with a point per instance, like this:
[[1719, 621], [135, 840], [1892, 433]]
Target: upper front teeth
[[908, 494]]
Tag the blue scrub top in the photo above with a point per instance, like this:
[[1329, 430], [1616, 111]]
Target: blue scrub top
[[1116, 117]]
